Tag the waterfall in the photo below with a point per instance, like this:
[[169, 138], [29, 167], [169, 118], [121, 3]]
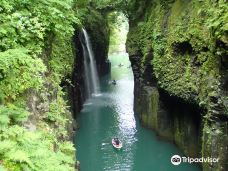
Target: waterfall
[[91, 76]]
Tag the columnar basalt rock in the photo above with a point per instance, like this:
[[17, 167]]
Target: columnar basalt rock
[[182, 47], [149, 106]]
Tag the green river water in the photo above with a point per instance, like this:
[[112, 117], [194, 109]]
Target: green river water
[[111, 115]]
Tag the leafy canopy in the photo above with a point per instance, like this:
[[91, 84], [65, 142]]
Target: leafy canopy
[[26, 23], [19, 72]]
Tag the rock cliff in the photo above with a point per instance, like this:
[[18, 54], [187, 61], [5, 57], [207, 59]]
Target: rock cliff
[[178, 51]]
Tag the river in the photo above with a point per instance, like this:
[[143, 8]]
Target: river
[[111, 115]]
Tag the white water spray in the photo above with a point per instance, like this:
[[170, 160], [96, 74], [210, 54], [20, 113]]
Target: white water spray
[[91, 76]]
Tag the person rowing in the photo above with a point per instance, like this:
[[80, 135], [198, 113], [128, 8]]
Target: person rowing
[[114, 82], [120, 65], [116, 143]]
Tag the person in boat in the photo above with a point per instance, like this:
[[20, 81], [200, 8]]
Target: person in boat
[[120, 65], [114, 82], [117, 141]]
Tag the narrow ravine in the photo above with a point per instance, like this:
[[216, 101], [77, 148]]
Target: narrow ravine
[[111, 114], [59, 108]]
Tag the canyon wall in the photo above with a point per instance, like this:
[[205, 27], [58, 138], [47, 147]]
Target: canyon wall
[[178, 51]]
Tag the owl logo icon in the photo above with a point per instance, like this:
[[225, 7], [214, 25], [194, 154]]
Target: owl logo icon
[[176, 160]]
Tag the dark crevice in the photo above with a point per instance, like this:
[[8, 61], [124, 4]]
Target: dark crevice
[[176, 103], [205, 49], [148, 74], [182, 48], [189, 119], [225, 85], [221, 44]]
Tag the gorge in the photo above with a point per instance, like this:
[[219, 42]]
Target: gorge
[[49, 51]]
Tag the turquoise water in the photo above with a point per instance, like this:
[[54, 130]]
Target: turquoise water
[[111, 115]]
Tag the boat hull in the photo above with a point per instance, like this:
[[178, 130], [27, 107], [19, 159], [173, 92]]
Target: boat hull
[[117, 146]]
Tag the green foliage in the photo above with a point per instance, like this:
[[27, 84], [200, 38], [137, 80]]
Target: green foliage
[[12, 114], [26, 23], [19, 72], [110, 4], [118, 25], [186, 60], [24, 150], [57, 110], [34, 34], [217, 20], [62, 57]]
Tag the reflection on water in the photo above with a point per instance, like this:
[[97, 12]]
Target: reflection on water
[[111, 115]]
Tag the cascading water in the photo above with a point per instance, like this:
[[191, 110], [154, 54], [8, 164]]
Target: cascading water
[[91, 76]]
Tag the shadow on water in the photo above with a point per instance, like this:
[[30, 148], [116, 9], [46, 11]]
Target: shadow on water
[[111, 115]]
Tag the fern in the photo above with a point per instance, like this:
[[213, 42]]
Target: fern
[[34, 151], [25, 30], [6, 145], [12, 114], [18, 156], [4, 120]]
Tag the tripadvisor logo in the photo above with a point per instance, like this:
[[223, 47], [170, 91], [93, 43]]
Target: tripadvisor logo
[[176, 160]]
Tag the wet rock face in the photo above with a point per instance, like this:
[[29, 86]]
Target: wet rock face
[[173, 49], [100, 44], [149, 106], [215, 144], [180, 122], [96, 25], [98, 31], [171, 119]]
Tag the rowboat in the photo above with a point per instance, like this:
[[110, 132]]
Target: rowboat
[[116, 144]]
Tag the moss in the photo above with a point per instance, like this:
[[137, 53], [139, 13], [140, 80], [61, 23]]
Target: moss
[[154, 107], [62, 57], [215, 141], [150, 106], [144, 119], [132, 42], [188, 41], [181, 38]]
